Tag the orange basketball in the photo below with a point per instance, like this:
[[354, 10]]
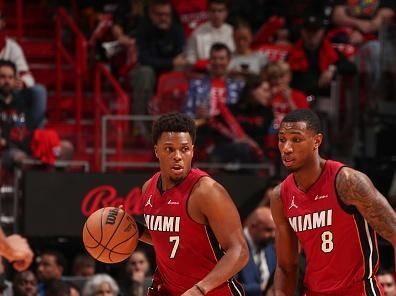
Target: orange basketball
[[110, 235]]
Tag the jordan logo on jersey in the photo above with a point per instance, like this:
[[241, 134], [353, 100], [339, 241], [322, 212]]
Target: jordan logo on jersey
[[293, 204], [148, 202], [312, 221], [162, 223]]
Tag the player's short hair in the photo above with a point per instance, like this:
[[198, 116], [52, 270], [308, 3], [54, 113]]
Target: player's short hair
[[307, 116], [7, 63], [174, 122]]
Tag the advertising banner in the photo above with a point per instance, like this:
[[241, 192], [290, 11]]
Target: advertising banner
[[57, 204]]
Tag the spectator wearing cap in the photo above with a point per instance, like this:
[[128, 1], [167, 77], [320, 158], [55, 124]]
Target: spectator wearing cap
[[34, 94], [313, 60]]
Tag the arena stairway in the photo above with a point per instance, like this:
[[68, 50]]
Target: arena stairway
[[39, 44]]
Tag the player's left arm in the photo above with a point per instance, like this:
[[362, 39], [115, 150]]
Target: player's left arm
[[355, 188], [212, 203]]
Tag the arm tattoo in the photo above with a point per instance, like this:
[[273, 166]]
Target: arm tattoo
[[355, 188]]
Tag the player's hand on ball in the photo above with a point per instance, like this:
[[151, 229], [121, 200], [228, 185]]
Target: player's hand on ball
[[20, 253]]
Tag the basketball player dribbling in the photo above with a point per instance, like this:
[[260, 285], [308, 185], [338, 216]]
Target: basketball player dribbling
[[332, 210], [190, 219]]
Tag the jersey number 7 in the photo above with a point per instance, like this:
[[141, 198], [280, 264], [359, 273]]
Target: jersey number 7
[[175, 240]]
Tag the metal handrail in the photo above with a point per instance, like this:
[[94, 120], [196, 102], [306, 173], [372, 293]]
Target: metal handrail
[[78, 62], [122, 102], [60, 163]]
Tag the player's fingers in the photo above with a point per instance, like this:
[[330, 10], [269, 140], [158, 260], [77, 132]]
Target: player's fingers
[[25, 260], [21, 265]]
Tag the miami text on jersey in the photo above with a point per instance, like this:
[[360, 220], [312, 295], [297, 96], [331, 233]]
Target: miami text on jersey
[[162, 223], [311, 220]]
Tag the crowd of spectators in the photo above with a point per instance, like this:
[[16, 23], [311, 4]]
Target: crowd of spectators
[[23, 107], [296, 48], [50, 275]]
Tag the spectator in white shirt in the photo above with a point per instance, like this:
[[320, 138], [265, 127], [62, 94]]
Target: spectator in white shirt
[[215, 30], [34, 94], [245, 60]]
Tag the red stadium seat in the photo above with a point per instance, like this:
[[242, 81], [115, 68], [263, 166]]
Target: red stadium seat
[[171, 92]]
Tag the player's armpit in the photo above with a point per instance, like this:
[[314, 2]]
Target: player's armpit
[[355, 188]]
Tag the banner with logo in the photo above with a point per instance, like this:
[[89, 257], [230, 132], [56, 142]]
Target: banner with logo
[[57, 204]]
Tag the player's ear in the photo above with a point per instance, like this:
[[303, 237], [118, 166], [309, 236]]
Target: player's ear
[[318, 140], [155, 151]]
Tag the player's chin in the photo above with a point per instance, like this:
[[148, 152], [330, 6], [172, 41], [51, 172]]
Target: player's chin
[[290, 166], [178, 176]]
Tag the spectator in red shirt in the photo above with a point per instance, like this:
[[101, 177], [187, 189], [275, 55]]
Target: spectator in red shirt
[[313, 60]]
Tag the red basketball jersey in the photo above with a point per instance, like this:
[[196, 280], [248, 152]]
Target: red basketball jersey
[[186, 251], [340, 246]]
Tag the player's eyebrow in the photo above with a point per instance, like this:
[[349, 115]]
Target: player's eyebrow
[[290, 132]]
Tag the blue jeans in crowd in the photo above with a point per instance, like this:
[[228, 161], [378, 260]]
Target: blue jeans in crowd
[[36, 99]]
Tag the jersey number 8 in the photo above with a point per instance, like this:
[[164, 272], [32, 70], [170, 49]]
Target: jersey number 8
[[327, 242]]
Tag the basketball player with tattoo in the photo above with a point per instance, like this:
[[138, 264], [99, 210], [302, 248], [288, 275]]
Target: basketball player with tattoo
[[332, 210], [190, 219]]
